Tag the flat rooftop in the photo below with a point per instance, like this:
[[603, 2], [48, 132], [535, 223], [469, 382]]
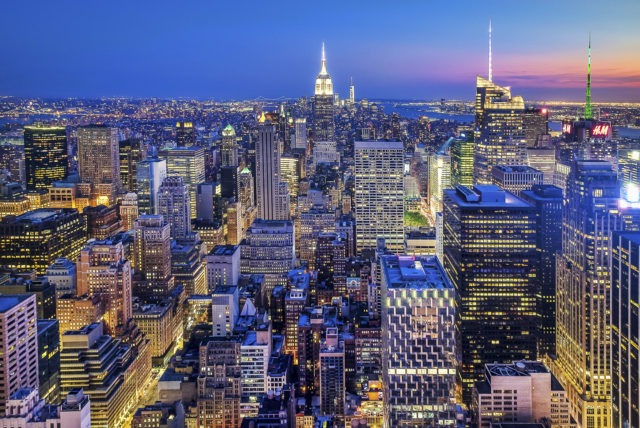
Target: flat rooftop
[[40, 215], [224, 250], [414, 272], [516, 168], [9, 301], [271, 226], [378, 145], [519, 368], [151, 309], [485, 196]]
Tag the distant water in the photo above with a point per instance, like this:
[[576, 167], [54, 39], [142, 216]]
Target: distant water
[[413, 112], [27, 120]]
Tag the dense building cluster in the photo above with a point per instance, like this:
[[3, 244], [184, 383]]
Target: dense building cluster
[[320, 264]]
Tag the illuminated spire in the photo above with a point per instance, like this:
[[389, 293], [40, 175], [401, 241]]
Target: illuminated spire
[[323, 69], [324, 86], [490, 55], [588, 112]]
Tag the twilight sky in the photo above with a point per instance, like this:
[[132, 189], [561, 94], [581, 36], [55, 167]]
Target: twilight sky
[[421, 49]]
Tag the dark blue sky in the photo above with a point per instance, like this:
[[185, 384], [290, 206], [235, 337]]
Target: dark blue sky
[[393, 49]]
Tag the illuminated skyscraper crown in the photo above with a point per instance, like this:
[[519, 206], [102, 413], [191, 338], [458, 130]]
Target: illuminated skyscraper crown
[[324, 86]]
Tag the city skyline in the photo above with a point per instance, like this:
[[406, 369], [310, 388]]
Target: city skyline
[[418, 50]]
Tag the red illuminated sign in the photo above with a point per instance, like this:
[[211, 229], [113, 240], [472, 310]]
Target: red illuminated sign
[[600, 130]]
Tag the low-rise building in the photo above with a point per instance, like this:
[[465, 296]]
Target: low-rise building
[[522, 392]]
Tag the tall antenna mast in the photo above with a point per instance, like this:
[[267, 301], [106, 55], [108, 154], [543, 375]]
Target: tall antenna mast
[[490, 55], [588, 112]]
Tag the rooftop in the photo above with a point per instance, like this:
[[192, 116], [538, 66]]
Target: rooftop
[[518, 368], [224, 250], [150, 309], [271, 226], [21, 393], [485, 196], [543, 191], [9, 301], [516, 168], [414, 272], [41, 215], [377, 145]]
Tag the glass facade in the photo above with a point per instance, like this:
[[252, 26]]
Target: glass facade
[[499, 134], [489, 246], [45, 155]]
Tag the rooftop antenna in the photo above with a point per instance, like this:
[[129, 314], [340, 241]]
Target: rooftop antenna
[[490, 55], [588, 112]]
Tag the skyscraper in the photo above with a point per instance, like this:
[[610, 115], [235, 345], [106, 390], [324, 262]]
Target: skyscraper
[[102, 221], [174, 206], [62, 275], [332, 376], [18, 345], [223, 266], [149, 176], [185, 134], [536, 126], [629, 174], [188, 163], [583, 331], [499, 129], [99, 160], [489, 244], [625, 371], [516, 178], [439, 179], [229, 147], [462, 161], [352, 92], [379, 194], [45, 155], [547, 200], [268, 189], [104, 270], [229, 168], [152, 252], [105, 369], [132, 151], [219, 384], [208, 201], [129, 210], [300, 133], [323, 124], [544, 160], [34, 240], [49, 359], [269, 250], [418, 342]]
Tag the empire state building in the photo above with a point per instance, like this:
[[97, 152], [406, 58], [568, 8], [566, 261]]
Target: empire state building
[[324, 126]]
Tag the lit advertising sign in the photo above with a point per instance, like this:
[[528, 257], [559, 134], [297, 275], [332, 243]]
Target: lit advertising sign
[[566, 127], [600, 130]]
